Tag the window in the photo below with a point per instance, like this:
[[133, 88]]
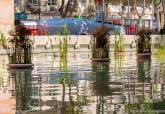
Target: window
[[35, 91], [15, 1], [33, 2], [34, 102], [51, 2]]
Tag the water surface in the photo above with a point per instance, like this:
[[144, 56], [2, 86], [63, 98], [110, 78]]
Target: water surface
[[128, 85]]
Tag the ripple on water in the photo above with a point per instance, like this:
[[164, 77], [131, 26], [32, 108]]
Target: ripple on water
[[126, 84]]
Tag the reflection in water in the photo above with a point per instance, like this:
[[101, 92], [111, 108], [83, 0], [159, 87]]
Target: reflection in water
[[144, 68], [79, 87], [21, 80], [101, 73], [101, 88], [142, 88], [119, 63]]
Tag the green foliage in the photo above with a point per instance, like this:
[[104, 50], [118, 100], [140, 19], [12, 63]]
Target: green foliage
[[63, 50], [119, 62], [119, 42], [157, 2], [19, 46], [160, 52], [145, 106], [100, 42], [1, 81], [2, 40], [144, 41]]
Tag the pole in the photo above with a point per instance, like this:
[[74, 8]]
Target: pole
[[128, 12], [39, 13], [103, 11]]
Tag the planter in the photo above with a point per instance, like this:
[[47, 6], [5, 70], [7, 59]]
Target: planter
[[100, 60], [119, 53], [143, 55], [20, 66]]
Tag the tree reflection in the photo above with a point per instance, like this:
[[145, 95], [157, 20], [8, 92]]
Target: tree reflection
[[142, 89], [23, 88], [144, 68], [101, 84], [101, 73]]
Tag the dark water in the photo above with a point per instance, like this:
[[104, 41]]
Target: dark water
[[128, 85]]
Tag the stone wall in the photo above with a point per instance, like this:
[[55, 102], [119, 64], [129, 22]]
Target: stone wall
[[85, 40], [6, 15]]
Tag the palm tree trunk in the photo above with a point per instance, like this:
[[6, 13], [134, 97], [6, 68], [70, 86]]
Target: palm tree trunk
[[158, 18]]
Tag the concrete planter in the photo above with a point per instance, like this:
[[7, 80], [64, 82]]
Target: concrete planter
[[20, 66], [143, 55], [100, 60], [119, 53]]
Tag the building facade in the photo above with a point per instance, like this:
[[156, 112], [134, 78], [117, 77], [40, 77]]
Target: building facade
[[7, 15], [46, 9]]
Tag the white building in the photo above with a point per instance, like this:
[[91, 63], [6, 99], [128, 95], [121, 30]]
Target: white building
[[50, 8]]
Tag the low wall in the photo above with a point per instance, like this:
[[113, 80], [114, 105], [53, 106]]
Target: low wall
[[86, 39]]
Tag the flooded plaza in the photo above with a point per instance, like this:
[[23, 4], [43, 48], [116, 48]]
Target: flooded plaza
[[126, 85]]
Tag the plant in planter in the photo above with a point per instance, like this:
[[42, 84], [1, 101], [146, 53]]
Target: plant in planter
[[18, 47], [100, 43], [144, 41], [119, 43]]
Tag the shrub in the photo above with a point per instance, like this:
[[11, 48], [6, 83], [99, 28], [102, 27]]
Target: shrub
[[100, 42], [144, 41], [18, 46]]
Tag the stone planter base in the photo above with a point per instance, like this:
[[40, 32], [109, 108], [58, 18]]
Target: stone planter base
[[20, 66], [143, 55], [119, 53], [100, 60]]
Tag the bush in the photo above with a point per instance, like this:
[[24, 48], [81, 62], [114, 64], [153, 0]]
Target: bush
[[144, 41], [100, 42], [18, 46]]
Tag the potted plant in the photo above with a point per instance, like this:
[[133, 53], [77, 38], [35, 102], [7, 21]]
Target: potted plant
[[18, 47], [144, 42], [100, 44]]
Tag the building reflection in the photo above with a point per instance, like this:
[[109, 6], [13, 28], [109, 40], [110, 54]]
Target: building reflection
[[102, 89]]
